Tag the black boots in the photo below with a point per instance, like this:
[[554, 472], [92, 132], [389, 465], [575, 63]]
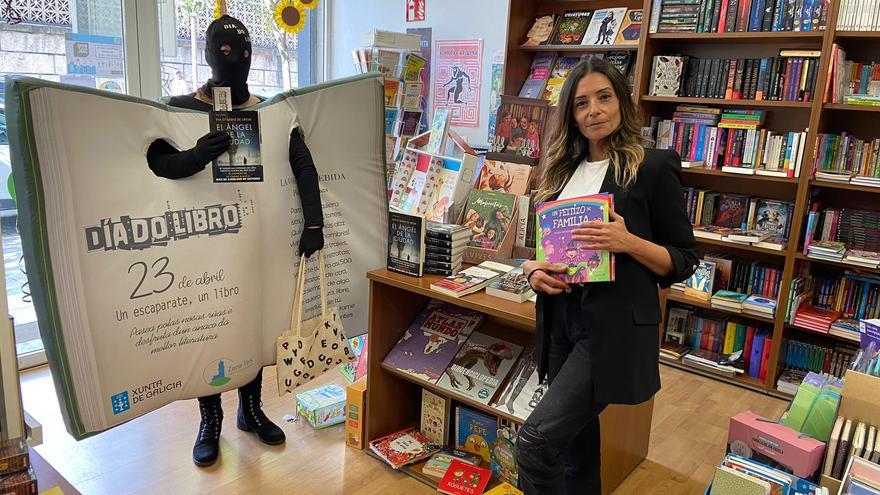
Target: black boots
[[250, 414], [207, 446]]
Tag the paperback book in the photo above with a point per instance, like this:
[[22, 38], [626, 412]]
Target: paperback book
[[489, 215], [480, 366], [403, 447], [242, 161], [406, 243]]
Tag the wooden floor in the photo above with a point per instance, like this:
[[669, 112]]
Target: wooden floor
[[152, 454]]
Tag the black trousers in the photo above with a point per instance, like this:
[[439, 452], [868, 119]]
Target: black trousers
[[558, 446]]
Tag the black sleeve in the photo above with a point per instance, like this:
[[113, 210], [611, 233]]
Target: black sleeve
[[169, 162], [306, 180], [670, 224]]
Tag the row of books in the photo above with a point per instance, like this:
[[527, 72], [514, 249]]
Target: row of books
[[548, 72], [613, 26], [738, 218], [393, 63], [712, 341], [832, 360], [720, 16], [850, 228], [859, 15], [845, 158], [848, 79], [740, 475], [851, 296], [853, 441], [789, 77], [750, 280]]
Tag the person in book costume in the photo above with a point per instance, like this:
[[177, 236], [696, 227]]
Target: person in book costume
[[228, 52], [597, 343]]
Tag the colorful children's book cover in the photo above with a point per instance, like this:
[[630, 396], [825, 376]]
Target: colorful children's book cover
[[412, 193], [630, 28], [475, 431], [439, 127], [403, 447], [392, 92], [519, 125], [390, 120], [488, 214], [439, 463], [503, 454], [406, 243], [571, 28], [242, 161], [553, 90], [523, 391], [402, 173], [732, 210], [431, 182], [541, 31], [442, 201], [433, 339], [604, 26], [435, 417], [504, 489], [773, 217], [464, 479], [563, 66], [412, 70], [505, 177], [555, 222], [699, 285], [357, 345], [480, 366]]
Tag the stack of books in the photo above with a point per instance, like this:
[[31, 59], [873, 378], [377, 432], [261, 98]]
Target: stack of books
[[709, 361], [728, 300], [847, 328], [16, 473], [674, 351], [759, 306], [473, 279], [790, 380], [858, 257], [827, 250], [444, 248], [816, 319]]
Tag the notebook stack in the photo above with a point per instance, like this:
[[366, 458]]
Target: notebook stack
[[850, 438], [444, 247]]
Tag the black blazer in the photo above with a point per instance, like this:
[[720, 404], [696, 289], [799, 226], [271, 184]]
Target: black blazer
[[622, 317]]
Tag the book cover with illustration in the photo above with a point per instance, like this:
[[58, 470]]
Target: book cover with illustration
[[519, 127], [475, 431], [541, 30], [464, 479], [505, 177], [441, 202], [523, 391], [439, 128], [488, 214], [403, 447], [406, 243], [604, 26], [620, 59], [480, 366], [563, 65], [439, 463], [773, 216], [409, 123], [630, 28], [571, 27], [412, 193], [666, 75], [699, 285], [555, 222], [553, 90], [242, 161], [512, 286], [732, 210], [433, 339], [392, 92], [402, 173], [391, 120], [435, 417]]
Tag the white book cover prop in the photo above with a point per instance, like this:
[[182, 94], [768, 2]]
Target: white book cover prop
[[149, 290]]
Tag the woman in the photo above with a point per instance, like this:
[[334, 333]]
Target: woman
[[598, 343], [228, 52]]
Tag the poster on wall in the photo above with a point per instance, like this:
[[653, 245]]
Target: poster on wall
[[458, 72], [149, 290], [415, 10], [425, 49], [96, 58], [496, 86]]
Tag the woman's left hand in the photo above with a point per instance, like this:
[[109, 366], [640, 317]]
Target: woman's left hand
[[611, 236]]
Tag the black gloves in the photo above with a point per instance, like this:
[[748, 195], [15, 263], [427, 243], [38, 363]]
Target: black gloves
[[310, 241], [210, 146]]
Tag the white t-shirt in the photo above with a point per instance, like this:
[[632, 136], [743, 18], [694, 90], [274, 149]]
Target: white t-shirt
[[586, 180]]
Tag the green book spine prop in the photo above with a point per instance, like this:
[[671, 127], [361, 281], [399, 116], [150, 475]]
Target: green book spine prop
[[149, 290]]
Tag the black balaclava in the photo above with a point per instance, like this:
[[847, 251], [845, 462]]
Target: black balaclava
[[228, 70]]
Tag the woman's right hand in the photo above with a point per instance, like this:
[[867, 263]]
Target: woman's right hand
[[544, 282]]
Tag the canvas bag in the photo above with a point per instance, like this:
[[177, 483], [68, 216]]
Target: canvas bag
[[310, 348]]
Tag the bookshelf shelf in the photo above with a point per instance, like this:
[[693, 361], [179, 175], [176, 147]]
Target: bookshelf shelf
[[744, 36], [726, 103], [831, 335], [857, 34], [744, 381], [741, 247], [852, 108], [844, 185], [727, 175], [844, 266], [683, 299], [581, 48]]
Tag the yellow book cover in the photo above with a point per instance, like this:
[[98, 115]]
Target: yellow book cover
[[729, 338], [504, 489], [552, 90]]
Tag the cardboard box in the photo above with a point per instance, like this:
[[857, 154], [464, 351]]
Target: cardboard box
[[13, 456], [356, 398], [774, 445], [322, 406], [860, 401]]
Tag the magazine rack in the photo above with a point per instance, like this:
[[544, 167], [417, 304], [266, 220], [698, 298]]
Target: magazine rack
[[394, 398]]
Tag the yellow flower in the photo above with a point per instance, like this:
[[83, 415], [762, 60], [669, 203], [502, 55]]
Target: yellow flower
[[306, 4], [288, 17], [219, 8]]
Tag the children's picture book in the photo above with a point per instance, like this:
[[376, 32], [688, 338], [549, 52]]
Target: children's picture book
[[488, 214], [480, 366], [475, 431], [432, 182], [406, 243], [435, 417], [504, 489], [541, 66], [242, 161], [464, 479], [441, 202], [532, 88], [433, 339], [402, 173], [391, 120], [418, 181], [666, 72], [772, 216], [571, 27], [439, 128], [412, 69], [563, 66], [699, 285], [630, 28], [732, 210], [392, 92], [541, 30], [519, 125], [505, 177], [604, 26], [552, 90], [523, 391], [555, 222], [403, 447], [503, 453], [440, 462], [357, 344]]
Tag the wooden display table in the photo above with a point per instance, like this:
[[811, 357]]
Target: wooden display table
[[394, 398]]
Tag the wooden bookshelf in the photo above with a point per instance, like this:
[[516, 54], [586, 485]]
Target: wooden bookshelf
[[841, 265], [699, 303], [680, 100], [741, 247], [394, 397], [845, 186], [745, 177], [852, 108], [829, 335], [857, 34], [581, 48], [744, 36]]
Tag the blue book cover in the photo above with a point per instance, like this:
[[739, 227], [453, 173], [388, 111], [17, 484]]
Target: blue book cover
[[475, 431], [807, 16], [699, 284], [757, 354], [756, 15]]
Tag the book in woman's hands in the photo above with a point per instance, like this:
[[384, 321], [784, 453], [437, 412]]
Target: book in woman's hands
[[555, 222]]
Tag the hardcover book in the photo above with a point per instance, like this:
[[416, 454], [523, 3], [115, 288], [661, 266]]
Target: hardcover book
[[571, 27], [772, 216], [489, 215], [403, 447], [433, 339], [541, 31], [555, 222], [666, 75], [439, 463], [512, 286], [464, 479], [523, 391], [519, 127], [406, 243], [604, 26], [435, 417], [480, 366], [630, 28], [512, 178], [732, 210], [699, 285], [475, 431], [242, 161]]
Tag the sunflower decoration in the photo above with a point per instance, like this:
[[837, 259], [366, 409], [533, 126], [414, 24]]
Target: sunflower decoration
[[289, 16], [306, 4], [219, 8]]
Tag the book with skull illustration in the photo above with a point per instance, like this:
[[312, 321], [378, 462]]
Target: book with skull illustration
[[480, 367], [432, 340]]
